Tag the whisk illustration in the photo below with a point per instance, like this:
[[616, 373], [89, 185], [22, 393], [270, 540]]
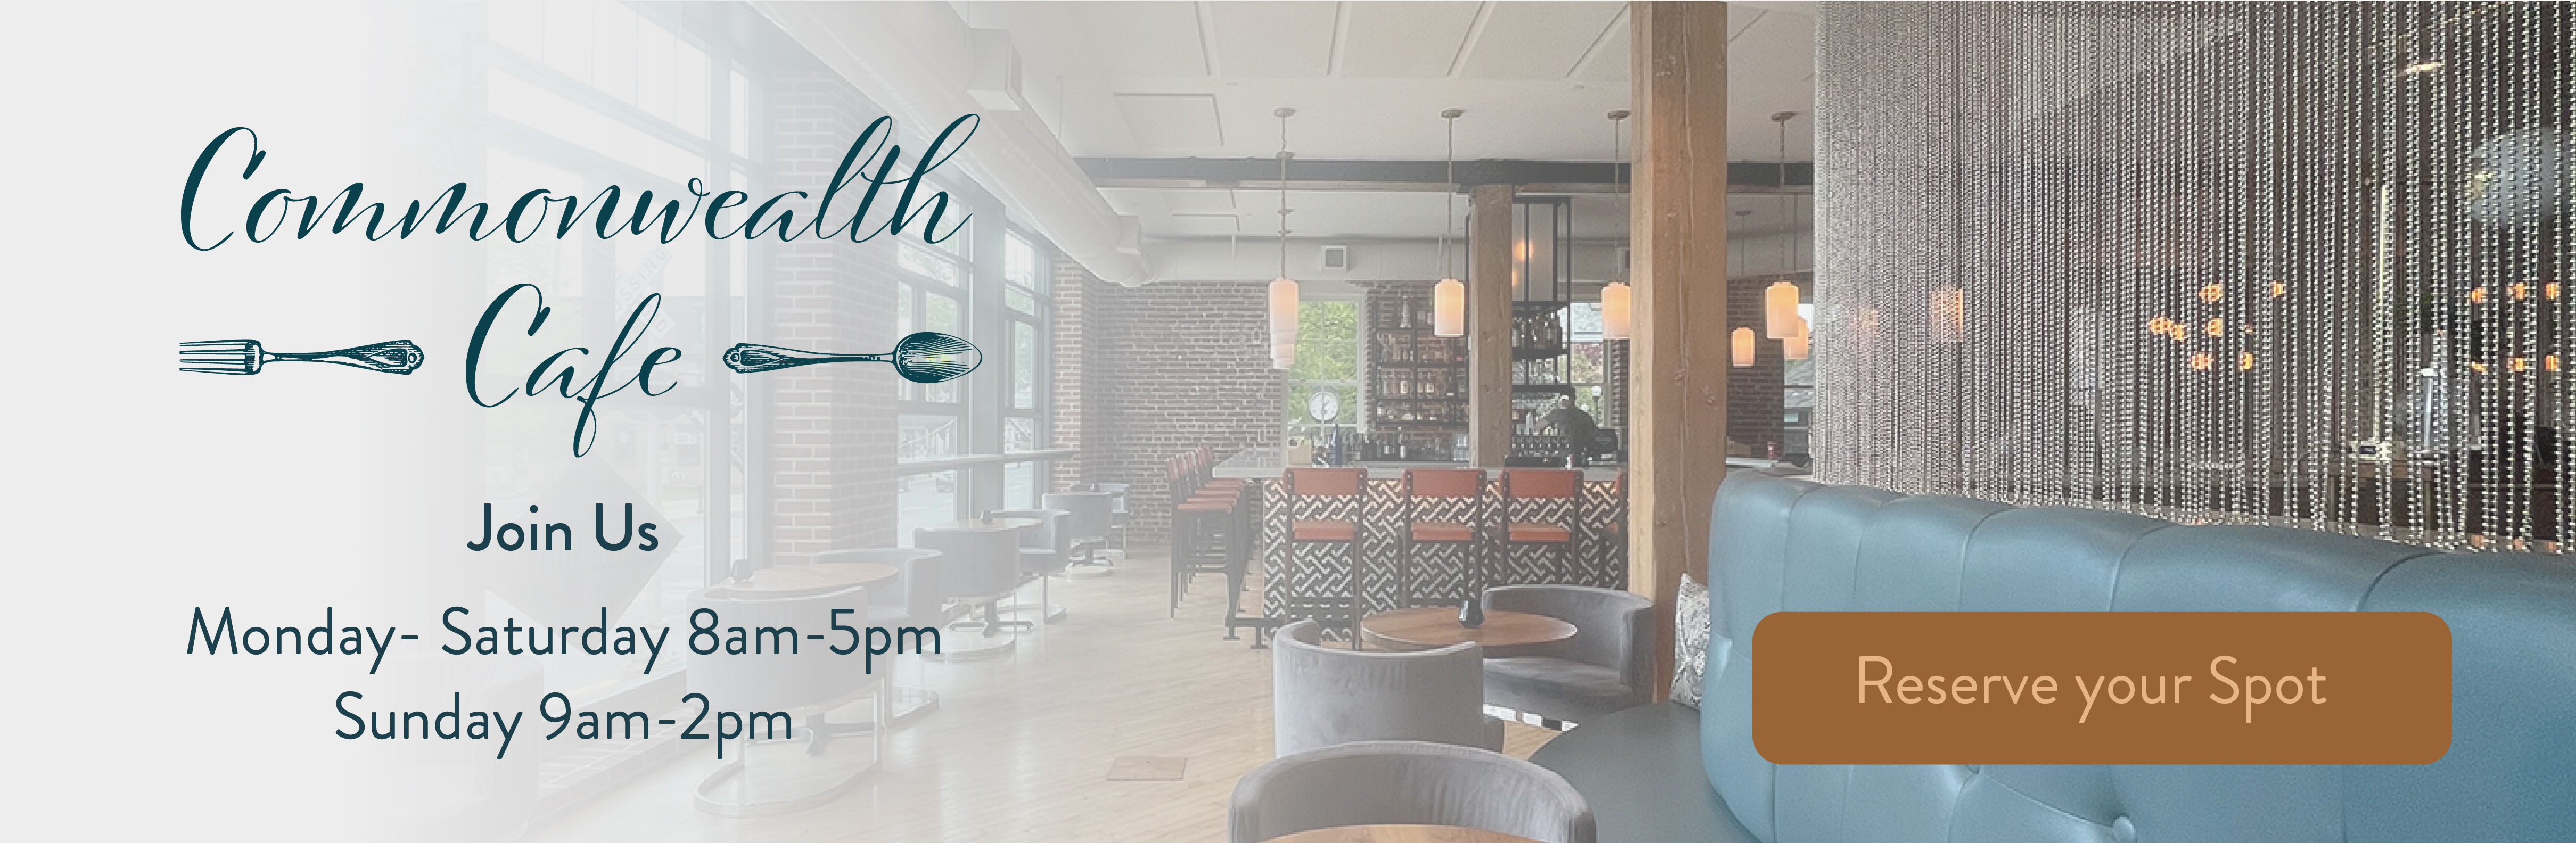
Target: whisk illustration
[[924, 357], [246, 357]]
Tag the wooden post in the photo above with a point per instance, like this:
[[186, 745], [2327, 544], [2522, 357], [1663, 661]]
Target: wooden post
[[1489, 325], [1677, 234]]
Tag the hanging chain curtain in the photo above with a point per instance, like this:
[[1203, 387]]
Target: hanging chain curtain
[[2294, 263]]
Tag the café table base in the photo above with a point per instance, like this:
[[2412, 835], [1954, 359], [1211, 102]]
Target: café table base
[[966, 642], [769, 777], [911, 703], [1022, 612]]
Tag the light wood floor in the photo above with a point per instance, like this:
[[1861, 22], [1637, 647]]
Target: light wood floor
[[1020, 747]]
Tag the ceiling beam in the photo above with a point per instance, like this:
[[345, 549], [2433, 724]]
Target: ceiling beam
[[1528, 176]]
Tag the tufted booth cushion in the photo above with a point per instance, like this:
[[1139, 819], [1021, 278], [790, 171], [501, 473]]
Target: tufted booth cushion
[[1786, 545]]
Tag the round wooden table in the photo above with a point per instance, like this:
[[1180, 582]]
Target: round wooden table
[[792, 579], [1503, 633], [977, 525], [1401, 834]]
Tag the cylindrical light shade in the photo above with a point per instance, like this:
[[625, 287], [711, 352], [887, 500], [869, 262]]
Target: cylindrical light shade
[[1614, 311], [1795, 348], [1743, 348], [1449, 308], [1949, 315], [1283, 323], [1780, 310]]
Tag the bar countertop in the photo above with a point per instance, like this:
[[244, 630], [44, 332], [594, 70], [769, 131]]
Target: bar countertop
[[1271, 464]]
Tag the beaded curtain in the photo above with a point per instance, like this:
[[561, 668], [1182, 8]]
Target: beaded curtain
[[2292, 263]]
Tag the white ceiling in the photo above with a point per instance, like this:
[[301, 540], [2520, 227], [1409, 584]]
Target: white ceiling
[[1351, 215], [1154, 79]]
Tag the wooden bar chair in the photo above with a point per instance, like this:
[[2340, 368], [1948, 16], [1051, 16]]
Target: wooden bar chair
[[1521, 485], [1310, 488], [1208, 528], [1440, 484]]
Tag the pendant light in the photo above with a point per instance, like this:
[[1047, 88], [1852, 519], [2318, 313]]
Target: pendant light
[[1283, 291], [1949, 322], [1795, 348], [1780, 300], [1449, 297], [1743, 348], [1615, 304]]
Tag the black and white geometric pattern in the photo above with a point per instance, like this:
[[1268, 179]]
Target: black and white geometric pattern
[[1320, 584]]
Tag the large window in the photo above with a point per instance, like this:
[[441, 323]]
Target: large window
[[1328, 362], [578, 96], [1590, 360], [978, 443]]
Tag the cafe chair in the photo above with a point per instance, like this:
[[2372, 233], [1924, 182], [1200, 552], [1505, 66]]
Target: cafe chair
[[1605, 667], [1406, 783], [795, 770], [911, 599], [1325, 506], [978, 569], [1118, 516], [1322, 696], [1092, 516], [1534, 489], [1045, 552], [1463, 488]]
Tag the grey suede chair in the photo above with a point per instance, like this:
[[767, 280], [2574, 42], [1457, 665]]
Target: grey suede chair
[[1045, 552], [1603, 668], [1324, 695], [1406, 782]]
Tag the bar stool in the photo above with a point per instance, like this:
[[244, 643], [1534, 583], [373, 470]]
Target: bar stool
[[1440, 485], [1542, 484], [1326, 487], [1208, 532]]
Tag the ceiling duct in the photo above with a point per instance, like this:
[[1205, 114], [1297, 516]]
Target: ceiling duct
[[926, 67], [995, 79]]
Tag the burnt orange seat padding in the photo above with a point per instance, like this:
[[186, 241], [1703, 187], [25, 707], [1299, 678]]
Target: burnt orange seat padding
[[1442, 531], [1546, 533], [1322, 531], [1205, 506], [1534, 483], [1326, 482], [1445, 482]]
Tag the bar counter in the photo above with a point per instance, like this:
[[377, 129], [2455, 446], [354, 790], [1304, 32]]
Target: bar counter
[[1271, 464], [1441, 573]]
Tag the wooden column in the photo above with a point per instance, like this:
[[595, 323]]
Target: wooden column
[[1677, 233], [1489, 325]]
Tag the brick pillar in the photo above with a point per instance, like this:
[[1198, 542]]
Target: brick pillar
[[831, 428], [1067, 404]]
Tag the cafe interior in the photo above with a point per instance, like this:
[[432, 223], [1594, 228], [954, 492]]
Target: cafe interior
[[1393, 417]]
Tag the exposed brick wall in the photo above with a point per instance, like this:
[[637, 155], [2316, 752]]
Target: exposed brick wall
[[832, 428], [1144, 373]]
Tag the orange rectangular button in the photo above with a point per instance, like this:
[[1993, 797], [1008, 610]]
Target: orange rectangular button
[[2102, 687]]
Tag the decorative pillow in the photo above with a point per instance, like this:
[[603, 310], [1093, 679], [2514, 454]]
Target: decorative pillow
[[1690, 641]]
